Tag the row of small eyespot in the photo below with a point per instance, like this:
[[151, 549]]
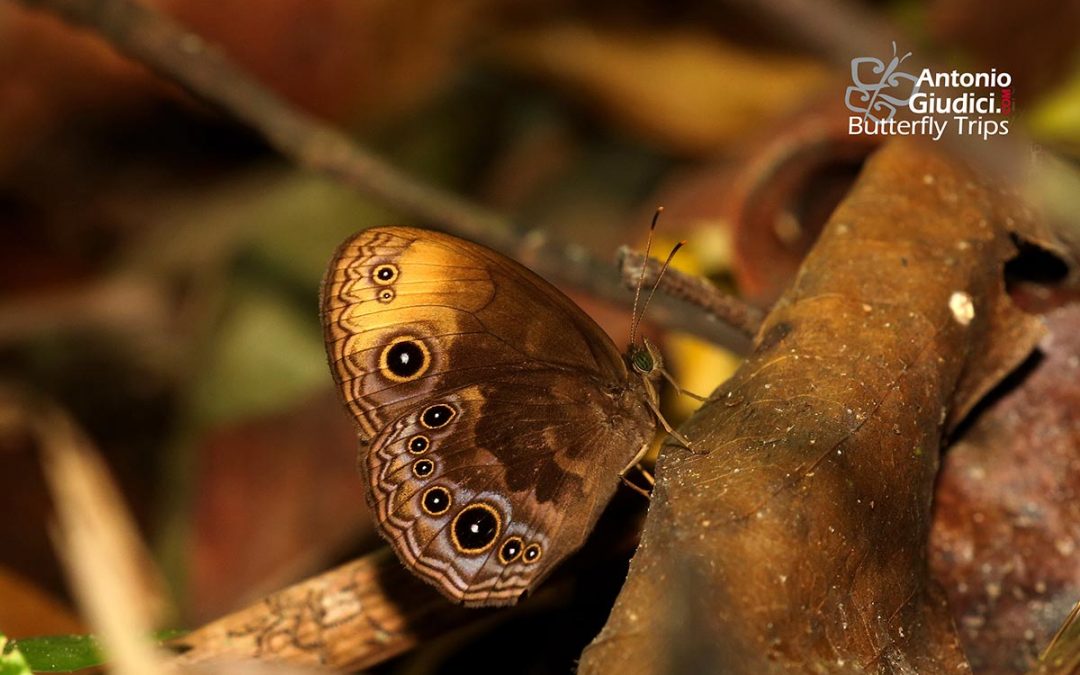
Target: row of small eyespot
[[384, 275], [476, 527]]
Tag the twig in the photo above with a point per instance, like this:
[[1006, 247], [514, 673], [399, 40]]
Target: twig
[[176, 53], [349, 618], [1062, 655], [372, 609], [696, 291], [110, 570]]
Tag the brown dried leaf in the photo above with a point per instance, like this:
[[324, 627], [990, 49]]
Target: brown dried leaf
[[28, 610], [1006, 537], [686, 91], [793, 535], [278, 496], [342, 59], [783, 192], [111, 571]]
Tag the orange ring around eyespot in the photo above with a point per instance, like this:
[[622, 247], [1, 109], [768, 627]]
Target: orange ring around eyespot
[[453, 414], [423, 498], [416, 468], [427, 444], [453, 528], [384, 282], [384, 359], [536, 547], [521, 544]]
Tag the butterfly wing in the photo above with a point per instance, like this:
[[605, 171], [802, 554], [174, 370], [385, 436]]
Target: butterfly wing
[[497, 414]]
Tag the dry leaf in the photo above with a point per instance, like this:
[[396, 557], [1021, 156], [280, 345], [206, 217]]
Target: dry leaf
[[686, 91], [1006, 538], [792, 536]]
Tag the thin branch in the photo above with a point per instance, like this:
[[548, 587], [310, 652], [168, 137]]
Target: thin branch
[[178, 54], [696, 291], [173, 51], [109, 568], [372, 609], [349, 618]]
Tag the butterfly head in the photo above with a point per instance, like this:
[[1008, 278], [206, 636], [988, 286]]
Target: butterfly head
[[645, 360]]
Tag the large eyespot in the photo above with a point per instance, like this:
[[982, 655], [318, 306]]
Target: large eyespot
[[385, 296], [436, 500], [404, 359], [437, 415], [510, 550], [422, 468], [385, 274], [475, 528], [533, 552], [419, 444]]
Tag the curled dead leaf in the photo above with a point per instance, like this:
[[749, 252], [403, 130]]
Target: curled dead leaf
[[794, 534], [687, 91]]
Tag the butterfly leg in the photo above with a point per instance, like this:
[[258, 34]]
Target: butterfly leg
[[646, 474], [636, 460], [636, 488], [679, 390], [636, 463], [683, 440]]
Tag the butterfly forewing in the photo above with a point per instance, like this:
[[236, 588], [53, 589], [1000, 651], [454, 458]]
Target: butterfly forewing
[[498, 415]]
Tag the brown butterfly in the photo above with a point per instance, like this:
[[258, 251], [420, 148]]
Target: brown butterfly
[[495, 416]]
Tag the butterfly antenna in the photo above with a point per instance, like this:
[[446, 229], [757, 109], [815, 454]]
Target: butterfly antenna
[[660, 276], [641, 279]]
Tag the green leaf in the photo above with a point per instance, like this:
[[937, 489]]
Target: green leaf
[[267, 355], [1056, 116], [53, 654], [58, 653], [12, 661]]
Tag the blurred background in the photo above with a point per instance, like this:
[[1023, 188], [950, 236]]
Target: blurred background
[[159, 264]]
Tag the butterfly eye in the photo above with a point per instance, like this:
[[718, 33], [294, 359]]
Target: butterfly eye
[[423, 468], [418, 444], [510, 550], [437, 415], [386, 295], [404, 359], [475, 528], [532, 553], [385, 274], [643, 362], [436, 500]]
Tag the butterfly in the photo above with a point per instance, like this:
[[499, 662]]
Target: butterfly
[[495, 417]]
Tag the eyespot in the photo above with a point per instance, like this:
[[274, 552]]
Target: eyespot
[[422, 468], [386, 296], [437, 415], [510, 550], [385, 274], [436, 500], [533, 552], [475, 528], [404, 359], [419, 444]]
